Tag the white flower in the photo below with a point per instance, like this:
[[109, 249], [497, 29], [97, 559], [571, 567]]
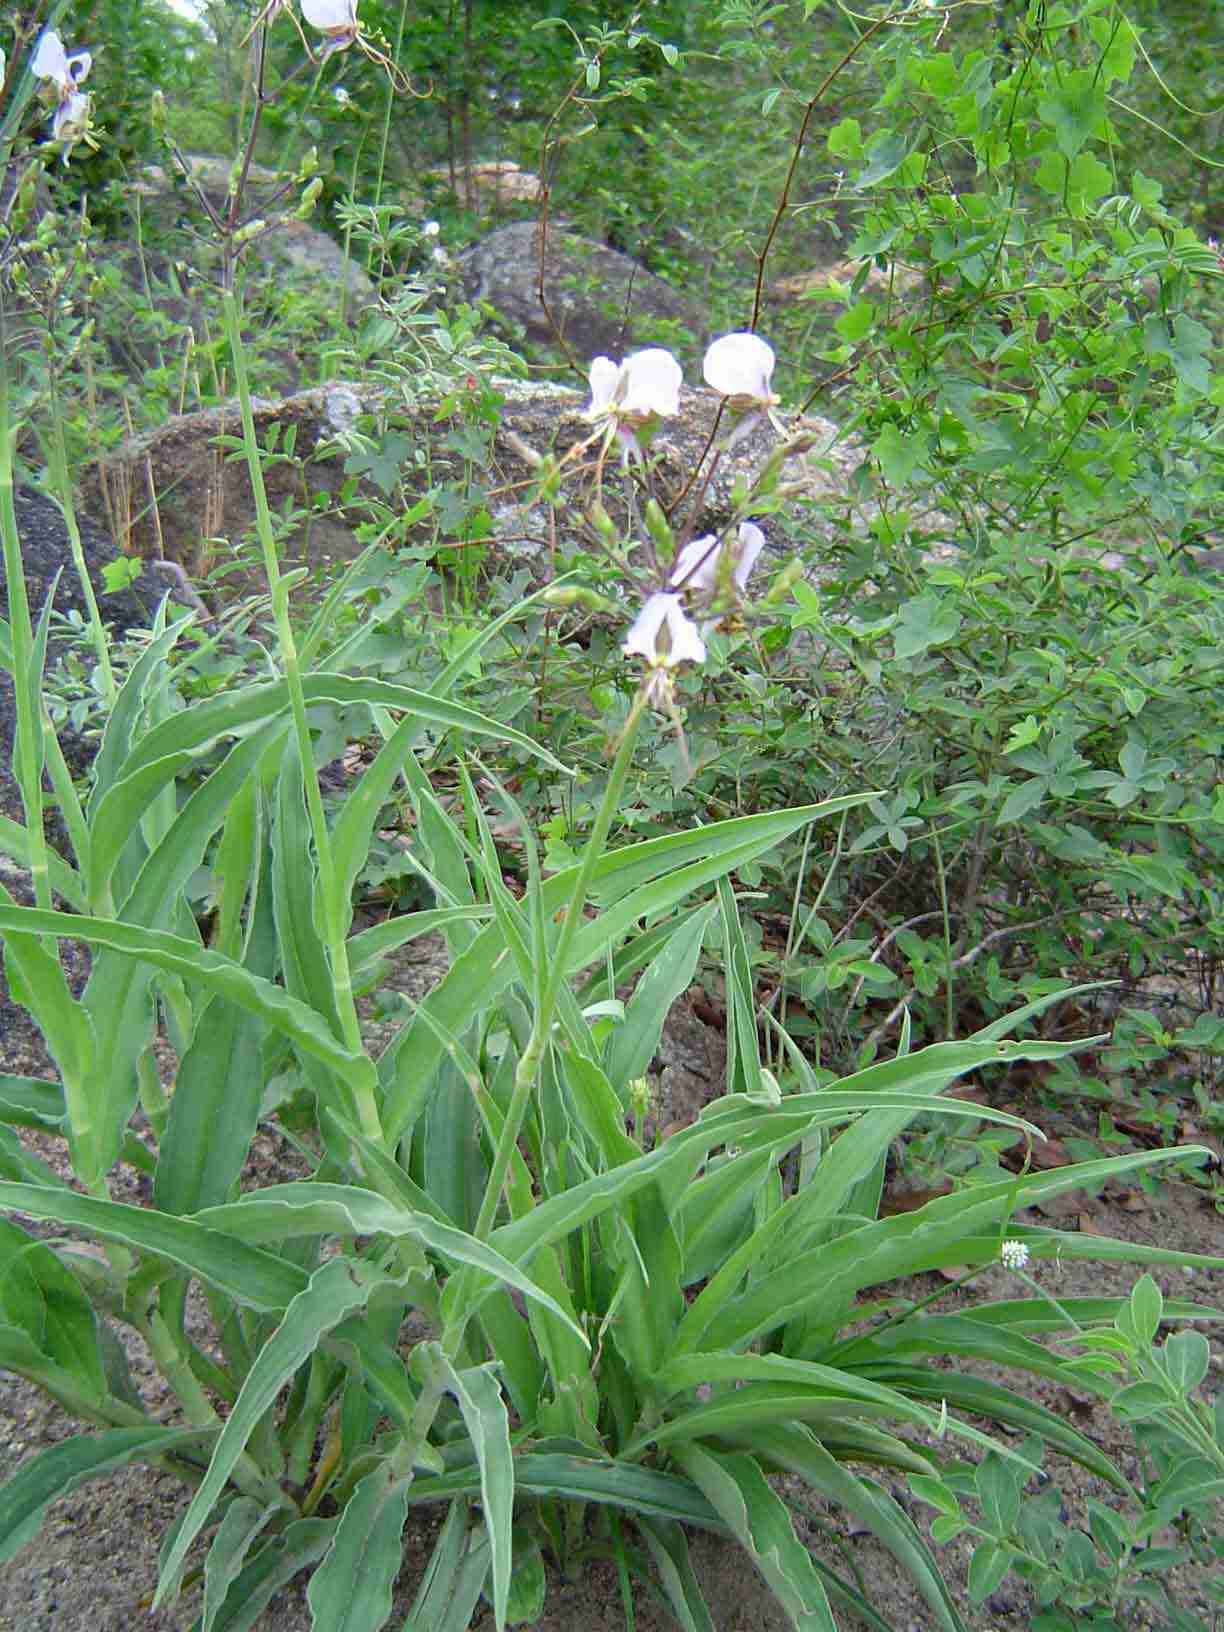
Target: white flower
[[336, 20], [52, 62], [664, 634], [1014, 1254], [431, 229], [66, 73], [644, 385], [740, 366], [698, 563], [342, 96]]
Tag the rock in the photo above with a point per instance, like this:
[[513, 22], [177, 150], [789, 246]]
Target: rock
[[296, 245], [199, 494], [600, 300], [309, 253], [44, 551], [486, 186]]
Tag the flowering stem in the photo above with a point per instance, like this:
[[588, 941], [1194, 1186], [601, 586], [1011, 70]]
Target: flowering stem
[[333, 927], [533, 1055]]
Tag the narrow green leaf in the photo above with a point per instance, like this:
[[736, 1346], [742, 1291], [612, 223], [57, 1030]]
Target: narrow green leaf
[[667, 977], [339, 1287], [117, 814], [232, 712], [351, 1589], [280, 1212], [244, 1520], [255, 1279], [299, 1546], [622, 882], [116, 994], [65, 880], [581, 1479], [669, 1548], [38, 1294], [31, 1102], [488, 1426], [799, 1452], [454, 1578], [44, 1478], [124, 714], [743, 1047], [179, 956], [758, 1518]]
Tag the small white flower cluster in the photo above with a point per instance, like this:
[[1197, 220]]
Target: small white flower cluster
[[629, 399], [1014, 1255]]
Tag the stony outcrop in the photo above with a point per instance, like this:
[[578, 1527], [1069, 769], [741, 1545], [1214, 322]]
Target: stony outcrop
[[596, 299], [201, 493]]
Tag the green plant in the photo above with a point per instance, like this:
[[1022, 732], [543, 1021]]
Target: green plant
[[484, 1152], [1099, 1574], [491, 1285]]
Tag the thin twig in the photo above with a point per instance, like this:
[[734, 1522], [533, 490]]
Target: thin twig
[[784, 200], [975, 952]]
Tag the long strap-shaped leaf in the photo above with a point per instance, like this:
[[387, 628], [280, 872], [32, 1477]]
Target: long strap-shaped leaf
[[45, 1478], [830, 1275], [283, 1211], [637, 881], [488, 1426], [798, 1451], [180, 956], [757, 1517], [454, 1577], [337, 1289], [257, 1279], [237, 711], [351, 1589]]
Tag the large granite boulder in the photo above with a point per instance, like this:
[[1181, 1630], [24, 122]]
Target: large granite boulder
[[595, 298]]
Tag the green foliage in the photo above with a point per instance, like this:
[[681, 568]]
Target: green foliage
[[1103, 1574], [493, 1284]]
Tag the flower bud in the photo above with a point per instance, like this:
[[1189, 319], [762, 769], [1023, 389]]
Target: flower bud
[[310, 197], [783, 583], [659, 528]]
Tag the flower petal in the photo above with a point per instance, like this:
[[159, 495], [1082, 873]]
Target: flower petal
[[697, 565], [685, 644], [69, 117], [330, 14], [50, 61], [664, 634], [740, 365], [751, 543], [644, 633], [604, 376], [650, 383]]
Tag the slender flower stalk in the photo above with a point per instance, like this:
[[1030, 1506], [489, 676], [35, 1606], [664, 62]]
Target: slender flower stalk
[[334, 930], [532, 1058]]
